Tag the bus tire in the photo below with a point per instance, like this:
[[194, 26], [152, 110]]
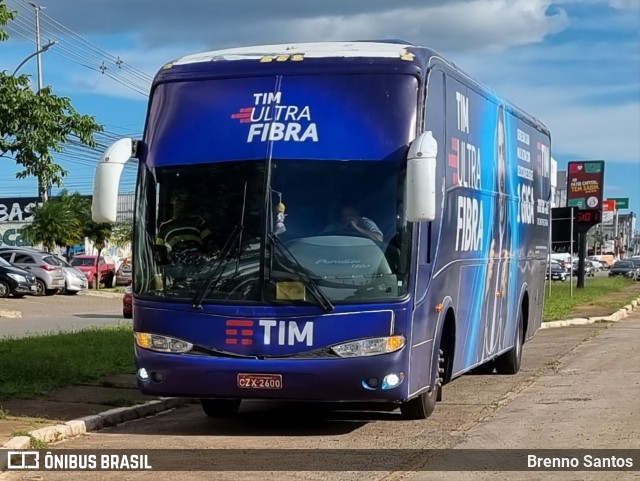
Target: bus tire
[[509, 362], [220, 408], [422, 406]]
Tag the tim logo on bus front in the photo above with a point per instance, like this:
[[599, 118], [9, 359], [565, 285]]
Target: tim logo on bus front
[[269, 331], [270, 120]]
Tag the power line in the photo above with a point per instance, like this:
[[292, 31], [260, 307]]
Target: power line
[[80, 51], [77, 49]]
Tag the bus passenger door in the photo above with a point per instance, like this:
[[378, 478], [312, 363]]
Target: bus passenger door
[[428, 291]]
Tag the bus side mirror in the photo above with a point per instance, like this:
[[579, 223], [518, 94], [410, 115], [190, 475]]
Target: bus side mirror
[[421, 178], [104, 206]]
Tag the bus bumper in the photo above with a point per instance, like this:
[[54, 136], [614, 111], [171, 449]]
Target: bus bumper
[[374, 378]]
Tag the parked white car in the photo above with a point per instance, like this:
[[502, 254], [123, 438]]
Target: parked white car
[[74, 279]]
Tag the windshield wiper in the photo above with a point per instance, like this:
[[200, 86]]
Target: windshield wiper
[[296, 267], [212, 277]]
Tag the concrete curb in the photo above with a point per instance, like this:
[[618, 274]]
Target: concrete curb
[[112, 417], [10, 314], [108, 295], [615, 317]]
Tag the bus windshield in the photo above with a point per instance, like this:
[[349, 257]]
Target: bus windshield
[[272, 232]]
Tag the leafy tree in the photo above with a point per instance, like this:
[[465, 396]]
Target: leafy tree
[[59, 222], [65, 220], [32, 124], [99, 234], [122, 233], [5, 16]]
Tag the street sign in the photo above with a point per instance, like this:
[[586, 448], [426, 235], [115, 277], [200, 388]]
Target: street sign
[[621, 202]]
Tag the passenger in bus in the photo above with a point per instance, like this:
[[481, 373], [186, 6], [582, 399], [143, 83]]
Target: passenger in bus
[[352, 223], [184, 232]]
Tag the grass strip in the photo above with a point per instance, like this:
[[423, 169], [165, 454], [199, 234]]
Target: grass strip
[[599, 291], [35, 365]]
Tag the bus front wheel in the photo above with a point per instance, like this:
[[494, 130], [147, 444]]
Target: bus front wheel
[[421, 407], [220, 408]]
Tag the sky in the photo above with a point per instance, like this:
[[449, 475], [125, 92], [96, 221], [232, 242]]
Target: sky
[[574, 64]]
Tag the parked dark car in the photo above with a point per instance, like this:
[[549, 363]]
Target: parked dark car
[[127, 303], [15, 281], [49, 275], [589, 269], [636, 263], [558, 272], [624, 269]]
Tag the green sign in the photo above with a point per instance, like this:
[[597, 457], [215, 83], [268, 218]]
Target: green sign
[[621, 202], [579, 203]]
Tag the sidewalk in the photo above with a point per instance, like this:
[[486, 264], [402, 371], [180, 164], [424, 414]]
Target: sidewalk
[[115, 399], [19, 416]]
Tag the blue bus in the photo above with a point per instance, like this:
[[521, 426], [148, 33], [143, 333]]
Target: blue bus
[[334, 221]]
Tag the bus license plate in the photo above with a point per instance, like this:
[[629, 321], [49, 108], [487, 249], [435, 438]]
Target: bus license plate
[[259, 381]]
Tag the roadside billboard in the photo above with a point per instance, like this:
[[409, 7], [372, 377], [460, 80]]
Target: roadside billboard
[[608, 210], [585, 182]]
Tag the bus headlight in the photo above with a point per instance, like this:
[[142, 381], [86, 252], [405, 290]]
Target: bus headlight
[[156, 342], [370, 347]]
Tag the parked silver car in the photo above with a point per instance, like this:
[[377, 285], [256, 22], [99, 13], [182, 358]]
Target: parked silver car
[[49, 275], [74, 279], [123, 275]]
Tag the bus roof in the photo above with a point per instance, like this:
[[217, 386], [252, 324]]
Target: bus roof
[[308, 50], [393, 55]]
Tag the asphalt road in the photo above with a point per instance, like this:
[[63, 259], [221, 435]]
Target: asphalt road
[[58, 313], [578, 388]]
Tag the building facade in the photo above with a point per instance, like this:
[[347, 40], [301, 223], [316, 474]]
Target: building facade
[[17, 212]]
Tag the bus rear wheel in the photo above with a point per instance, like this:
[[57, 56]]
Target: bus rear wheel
[[509, 362], [220, 408]]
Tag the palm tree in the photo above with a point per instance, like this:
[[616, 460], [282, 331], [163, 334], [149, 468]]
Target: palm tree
[[99, 234], [122, 233], [56, 223]]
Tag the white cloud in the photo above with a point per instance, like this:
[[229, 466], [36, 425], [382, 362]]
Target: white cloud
[[616, 4], [447, 26], [606, 131], [625, 4], [444, 24], [550, 80], [457, 26]]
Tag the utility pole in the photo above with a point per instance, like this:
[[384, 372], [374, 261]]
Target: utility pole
[[42, 191], [37, 9]]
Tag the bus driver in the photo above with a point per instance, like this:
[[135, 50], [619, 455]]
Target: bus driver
[[351, 222]]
